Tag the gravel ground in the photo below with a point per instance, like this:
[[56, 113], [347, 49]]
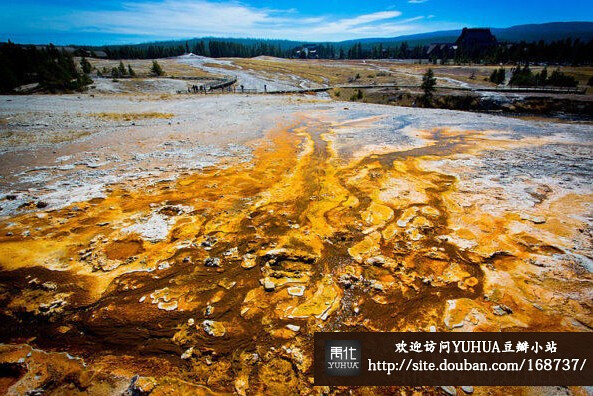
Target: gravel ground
[[54, 148], [140, 85], [57, 150]]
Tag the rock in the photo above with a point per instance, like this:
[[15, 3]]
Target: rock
[[269, 285], [348, 280], [450, 390], [187, 354], [215, 329], [227, 284], [321, 304], [233, 252], [248, 261], [154, 228], [167, 305], [142, 385], [63, 329], [376, 260], [290, 255], [377, 285], [467, 389], [296, 291], [49, 285], [533, 219], [464, 313], [501, 310], [190, 322], [292, 327], [212, 262], [209, 309], [208, 242], [171, 210], [51, 307]]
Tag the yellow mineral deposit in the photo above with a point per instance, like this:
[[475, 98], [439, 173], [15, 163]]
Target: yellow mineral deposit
[[221, 277]]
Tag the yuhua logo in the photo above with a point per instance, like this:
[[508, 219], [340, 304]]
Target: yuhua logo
[[343, 357]]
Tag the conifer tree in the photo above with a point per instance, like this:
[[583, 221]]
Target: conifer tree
[[156, 69], [121, 69], [85, 65]]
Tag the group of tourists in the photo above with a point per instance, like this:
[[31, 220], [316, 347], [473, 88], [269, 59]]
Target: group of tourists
[[196, 89]]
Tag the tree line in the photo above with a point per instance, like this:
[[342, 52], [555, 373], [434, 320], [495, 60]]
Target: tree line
[[567, 51], [52, 69], [210, 48], [523, 76]]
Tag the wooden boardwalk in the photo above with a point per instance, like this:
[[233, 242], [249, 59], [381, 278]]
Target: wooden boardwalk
[[556, 90], [229, 86]]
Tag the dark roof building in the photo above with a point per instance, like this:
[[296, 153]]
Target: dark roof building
[[472, 43], [476, 38], [441, 50]]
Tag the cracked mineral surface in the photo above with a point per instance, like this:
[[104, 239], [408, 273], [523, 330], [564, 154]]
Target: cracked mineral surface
[[199, 253]]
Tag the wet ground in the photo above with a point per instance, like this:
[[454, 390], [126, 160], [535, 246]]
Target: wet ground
[[319, 216]]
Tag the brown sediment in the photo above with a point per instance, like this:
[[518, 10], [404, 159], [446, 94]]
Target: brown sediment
[[200, 277]]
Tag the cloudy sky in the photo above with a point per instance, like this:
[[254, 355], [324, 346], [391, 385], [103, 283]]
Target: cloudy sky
[[132, 21]]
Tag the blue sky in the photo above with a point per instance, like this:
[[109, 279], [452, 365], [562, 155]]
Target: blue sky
[[132, 21]]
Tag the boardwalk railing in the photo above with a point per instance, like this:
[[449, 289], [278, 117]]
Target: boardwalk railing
[[566, 90], [228, 85], [222, 85]]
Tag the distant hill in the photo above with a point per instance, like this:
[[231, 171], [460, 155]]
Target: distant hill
[[283, 44], [529, 33], [546, 31], [534, 32]]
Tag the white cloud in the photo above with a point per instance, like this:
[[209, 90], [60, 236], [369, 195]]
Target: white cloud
[[165, 19], [417, 1]]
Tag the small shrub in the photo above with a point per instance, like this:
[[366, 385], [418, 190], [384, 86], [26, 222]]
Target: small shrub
[[357, 95], [559, 79]]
